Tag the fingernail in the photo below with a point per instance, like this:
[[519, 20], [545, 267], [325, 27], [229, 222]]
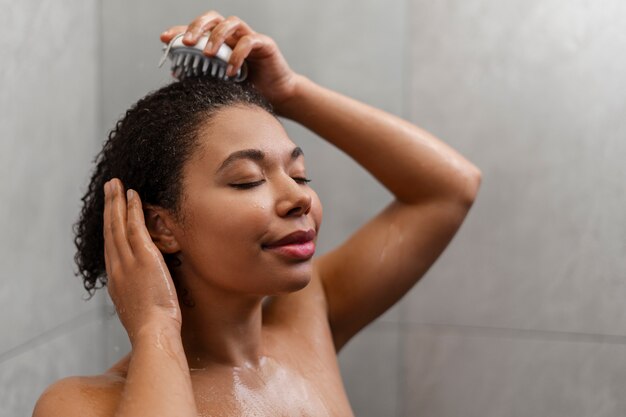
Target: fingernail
[[188, 36], [130, 194], [229, 69], [209, 46]]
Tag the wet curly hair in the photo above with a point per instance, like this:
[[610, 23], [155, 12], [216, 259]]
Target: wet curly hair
[[147, 150]]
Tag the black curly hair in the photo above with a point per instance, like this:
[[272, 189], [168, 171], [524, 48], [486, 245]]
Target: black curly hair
[[147, 150]]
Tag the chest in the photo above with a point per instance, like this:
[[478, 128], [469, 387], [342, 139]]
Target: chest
[[270, 389]]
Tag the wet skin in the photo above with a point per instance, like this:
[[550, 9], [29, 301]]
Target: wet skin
[[263, 334], [291, 369], [297, 374]]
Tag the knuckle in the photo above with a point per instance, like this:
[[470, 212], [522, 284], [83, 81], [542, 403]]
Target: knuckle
[[114, 270], [265, 39], [220, 31], [113, 228], [132, 229], [247, 40], [194, 26], [210, 16]]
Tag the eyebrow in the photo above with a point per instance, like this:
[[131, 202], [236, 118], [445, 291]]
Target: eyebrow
[[256, 155]]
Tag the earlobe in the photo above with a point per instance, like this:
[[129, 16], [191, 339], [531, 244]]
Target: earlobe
[[158, 222]]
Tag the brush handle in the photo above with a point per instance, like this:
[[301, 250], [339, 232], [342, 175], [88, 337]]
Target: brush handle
[[223, 53]]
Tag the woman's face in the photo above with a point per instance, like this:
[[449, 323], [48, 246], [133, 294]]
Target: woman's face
[[224, 227]]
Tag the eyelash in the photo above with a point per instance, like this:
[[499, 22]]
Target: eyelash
[[249, 185]]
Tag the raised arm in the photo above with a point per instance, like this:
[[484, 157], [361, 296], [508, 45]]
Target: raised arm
[[433, 185]]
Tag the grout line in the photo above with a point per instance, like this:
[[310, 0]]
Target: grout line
[[406, 113], [517, 333], [406, 83], [401, 368], [99, 23], [500, 332], [100, 130], [95, 314]]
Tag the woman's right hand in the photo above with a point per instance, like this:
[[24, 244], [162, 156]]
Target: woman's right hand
[[139, 281], [268, 69]]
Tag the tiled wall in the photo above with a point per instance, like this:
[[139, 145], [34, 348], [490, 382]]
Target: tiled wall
[[524, 315], [48, 125]]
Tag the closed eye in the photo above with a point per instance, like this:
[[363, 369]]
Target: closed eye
[[247, 185], [302, 180]]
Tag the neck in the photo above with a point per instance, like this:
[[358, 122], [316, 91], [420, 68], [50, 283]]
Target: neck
[[220, 328]]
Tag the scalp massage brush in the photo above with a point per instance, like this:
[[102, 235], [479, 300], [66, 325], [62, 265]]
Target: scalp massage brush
[[190, 61]]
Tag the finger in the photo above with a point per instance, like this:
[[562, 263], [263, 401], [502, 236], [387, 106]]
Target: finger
[[138, 235], [168, 34], [109, 247], [231, 28], [200, 25], [118, 221], [243, 48]]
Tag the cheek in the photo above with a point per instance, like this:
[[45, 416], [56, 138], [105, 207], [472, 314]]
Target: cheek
[[231, 229], [228, 225]]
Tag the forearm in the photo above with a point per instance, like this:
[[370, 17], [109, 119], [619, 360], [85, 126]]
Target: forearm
[[410, 162], [158, 381]]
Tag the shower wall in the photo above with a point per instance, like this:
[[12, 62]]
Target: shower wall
[[49, 100], [521, 316], [524, 315]]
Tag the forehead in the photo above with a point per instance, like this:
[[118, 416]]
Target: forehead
[[242, 127]]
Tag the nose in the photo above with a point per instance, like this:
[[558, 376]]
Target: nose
[[295, 200]]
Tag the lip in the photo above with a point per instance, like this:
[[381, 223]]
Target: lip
[[297, 245], [297, 237]]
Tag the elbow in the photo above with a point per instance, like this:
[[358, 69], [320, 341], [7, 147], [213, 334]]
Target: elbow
[[469, 184], [457, 188]]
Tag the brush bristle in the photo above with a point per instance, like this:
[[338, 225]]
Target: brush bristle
[[189, 63]]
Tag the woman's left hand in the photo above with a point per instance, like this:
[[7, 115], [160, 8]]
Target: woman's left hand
[[267, 68]]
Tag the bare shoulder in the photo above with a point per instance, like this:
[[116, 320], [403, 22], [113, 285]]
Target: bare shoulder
[[84, 396]]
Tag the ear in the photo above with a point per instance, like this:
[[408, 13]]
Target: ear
[[160, 224]]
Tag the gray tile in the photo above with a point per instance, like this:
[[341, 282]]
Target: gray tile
[[452, 372], [394, 314], [49, 107], [23, 378], [509, 84], [370, 368]]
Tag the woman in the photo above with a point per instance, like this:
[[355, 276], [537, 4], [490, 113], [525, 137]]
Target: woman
[[212, 275]]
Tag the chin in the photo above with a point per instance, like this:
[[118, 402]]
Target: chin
[[293, 283], [299, 284]]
